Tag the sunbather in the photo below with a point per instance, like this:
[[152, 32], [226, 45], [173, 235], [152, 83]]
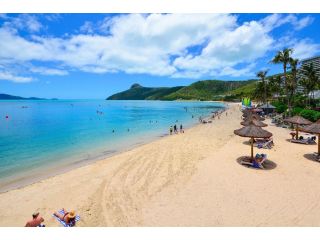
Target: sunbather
[[36, 221], [67, 217]]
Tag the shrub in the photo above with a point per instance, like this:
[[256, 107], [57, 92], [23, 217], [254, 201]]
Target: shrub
[[280, 107], [297, 110], [311, 115]]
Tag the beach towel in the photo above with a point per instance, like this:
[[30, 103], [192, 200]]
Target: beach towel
[[63, 222]]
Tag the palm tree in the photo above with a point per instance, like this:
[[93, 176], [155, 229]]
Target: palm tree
[[275, 85], [284, 57], [258, 93], [310, 79], [292, 80], [262, 75]]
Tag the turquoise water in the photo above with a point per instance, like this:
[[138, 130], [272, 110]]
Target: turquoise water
[[43, 135]]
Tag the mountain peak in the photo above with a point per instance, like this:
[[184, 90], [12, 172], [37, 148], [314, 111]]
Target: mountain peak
[[135, 85]]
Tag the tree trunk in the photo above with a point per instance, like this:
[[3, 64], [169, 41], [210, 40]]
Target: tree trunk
[[252, 148], [286, 87]]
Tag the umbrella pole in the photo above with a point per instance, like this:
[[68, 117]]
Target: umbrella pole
[[297, 132], [318, 144], [252, 148]]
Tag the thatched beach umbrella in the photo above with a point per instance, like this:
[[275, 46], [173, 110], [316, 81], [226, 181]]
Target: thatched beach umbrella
[[297, 120], [315, 129], [253, 117], [252, 132], [254, 122]]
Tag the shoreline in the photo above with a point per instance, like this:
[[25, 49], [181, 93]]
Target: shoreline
[[52, 171]]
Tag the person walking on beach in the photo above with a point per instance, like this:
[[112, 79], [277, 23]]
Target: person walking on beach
[[170, 130], [175, 128], [36, 221], [181, 129]]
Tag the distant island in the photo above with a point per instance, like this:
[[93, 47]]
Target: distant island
[[12, 97], [202, 90]]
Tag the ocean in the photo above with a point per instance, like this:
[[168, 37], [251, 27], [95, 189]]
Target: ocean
[[41, 137]]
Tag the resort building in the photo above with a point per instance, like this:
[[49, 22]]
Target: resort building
[[315, 61]]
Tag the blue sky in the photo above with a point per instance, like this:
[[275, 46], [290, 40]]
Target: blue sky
[[95, 55]]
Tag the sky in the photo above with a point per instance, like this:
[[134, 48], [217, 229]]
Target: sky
[[91, 56]]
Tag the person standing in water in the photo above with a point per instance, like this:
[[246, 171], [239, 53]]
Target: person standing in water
[[170, 130], [175, 128], [181, 129]]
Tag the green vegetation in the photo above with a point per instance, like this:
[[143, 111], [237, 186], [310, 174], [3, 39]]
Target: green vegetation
[[201, 90], [137, 92], [11, 97], [310, 114]]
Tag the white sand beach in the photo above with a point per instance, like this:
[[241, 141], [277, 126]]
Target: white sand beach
[[190, 179]]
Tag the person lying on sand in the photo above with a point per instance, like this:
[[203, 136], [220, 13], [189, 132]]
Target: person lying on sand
[[36, 221], [67, 217]]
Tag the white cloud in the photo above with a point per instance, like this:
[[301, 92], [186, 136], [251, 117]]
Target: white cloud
[[302, 23], [305, 49], [156, 44], [23, 22], [87, 27], [11, 77], [48, 71], [276, 20]]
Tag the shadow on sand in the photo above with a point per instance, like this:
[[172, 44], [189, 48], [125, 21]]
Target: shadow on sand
[[311, 157], [268, 164]]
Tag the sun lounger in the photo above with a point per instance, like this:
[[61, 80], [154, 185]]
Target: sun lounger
[[255, 164], [303, 141], [63, 222], [265, 145]]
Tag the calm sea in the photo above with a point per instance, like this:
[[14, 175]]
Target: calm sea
[[37, 137]]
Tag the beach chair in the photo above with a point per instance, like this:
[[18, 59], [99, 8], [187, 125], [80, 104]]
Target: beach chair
[[303, 141], [255, 164], [265, 145], [63, 222]]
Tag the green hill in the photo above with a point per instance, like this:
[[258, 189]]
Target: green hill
[[137, 92], [11, 97], [207, 90], [201, 90]]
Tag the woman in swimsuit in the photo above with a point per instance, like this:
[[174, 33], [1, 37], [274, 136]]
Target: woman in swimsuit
[[67, 217]]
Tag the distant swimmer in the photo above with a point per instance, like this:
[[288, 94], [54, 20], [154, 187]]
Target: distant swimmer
[[192, 116], [128, 129], [171, 130], [7, 116], [113, 130]]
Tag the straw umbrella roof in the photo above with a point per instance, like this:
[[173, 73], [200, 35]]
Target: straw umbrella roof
[[313, 128], [298, 120], [254, 122], [253, 117], [252, 131]]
